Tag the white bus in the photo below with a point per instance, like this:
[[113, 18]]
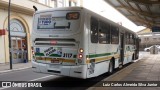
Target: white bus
[[77, 42]]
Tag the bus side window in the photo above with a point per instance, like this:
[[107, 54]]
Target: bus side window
[[127, 37], [94, 30], [114, 35], [132, 39], [104, 33]]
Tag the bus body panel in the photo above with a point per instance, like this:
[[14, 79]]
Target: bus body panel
[[70, 51]]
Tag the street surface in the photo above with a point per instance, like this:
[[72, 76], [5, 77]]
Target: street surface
[[29, 75]]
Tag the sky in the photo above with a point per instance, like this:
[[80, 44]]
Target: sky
[[104, 9]]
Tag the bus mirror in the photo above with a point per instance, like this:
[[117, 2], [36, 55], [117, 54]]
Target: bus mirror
[[35, 8]]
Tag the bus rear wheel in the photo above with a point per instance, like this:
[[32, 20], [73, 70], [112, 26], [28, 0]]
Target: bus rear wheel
[[110, 69]]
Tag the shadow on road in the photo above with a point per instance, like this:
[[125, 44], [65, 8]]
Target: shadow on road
[[69, 83]]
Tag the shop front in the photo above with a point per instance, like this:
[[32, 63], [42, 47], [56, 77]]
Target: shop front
[[18, 42]]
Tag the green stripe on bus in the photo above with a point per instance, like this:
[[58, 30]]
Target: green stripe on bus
[[39, 54], [42, 54], [55, 55], [74, 56], [100, 55], [90, 56]]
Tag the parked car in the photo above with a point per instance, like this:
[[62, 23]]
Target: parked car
[[148, 48], [158, 46]]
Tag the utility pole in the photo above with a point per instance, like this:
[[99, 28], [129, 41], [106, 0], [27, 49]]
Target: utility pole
[[9, 34]]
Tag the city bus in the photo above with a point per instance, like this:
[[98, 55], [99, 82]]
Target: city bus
[[77, 42]]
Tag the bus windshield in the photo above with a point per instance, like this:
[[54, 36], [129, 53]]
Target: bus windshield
[[56, 21]]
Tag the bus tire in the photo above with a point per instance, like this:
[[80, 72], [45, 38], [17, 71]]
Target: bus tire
[[111, 67]]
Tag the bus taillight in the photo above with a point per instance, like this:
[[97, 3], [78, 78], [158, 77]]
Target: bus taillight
[[81, 50], [80, 56]]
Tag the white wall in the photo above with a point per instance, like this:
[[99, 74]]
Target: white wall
[[27, 3], [3, 15]]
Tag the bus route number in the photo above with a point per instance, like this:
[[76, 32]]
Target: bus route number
[[67, 55]]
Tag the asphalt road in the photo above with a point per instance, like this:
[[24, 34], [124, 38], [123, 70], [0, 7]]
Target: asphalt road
[[29, 75]]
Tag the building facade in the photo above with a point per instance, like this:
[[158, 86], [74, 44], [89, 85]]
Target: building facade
[[21, 26], [148, 38]]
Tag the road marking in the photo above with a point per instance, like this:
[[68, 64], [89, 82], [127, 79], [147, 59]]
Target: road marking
[[41, 78], [14, 70]]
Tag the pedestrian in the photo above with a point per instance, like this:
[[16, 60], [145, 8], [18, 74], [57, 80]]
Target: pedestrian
[[24, 50]]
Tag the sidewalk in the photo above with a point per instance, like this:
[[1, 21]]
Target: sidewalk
[[146, 69], [19, 66]]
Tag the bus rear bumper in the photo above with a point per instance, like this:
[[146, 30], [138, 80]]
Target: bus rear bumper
[[78, 71]]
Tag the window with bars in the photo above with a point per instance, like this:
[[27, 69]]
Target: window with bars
[[52, 3]]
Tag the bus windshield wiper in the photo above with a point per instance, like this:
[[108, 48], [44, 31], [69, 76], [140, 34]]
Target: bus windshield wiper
[[62, 27]]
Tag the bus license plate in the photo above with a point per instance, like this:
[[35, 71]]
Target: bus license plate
[[54, 61]]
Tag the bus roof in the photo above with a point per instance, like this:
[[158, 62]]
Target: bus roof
[[60, 8]]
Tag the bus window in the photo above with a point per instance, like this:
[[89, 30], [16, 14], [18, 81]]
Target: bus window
[[134, 40], [114, 35], [57, 22], [131, 39], [104, 33], [94, 30], [127, 37]]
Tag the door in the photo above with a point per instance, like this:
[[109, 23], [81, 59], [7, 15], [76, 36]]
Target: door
[[121, 48], [137, 48], [15, 53], [19, 53]]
